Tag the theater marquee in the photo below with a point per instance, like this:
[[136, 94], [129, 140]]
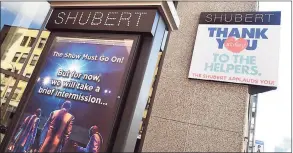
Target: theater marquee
[[103, 19], [237, 47]]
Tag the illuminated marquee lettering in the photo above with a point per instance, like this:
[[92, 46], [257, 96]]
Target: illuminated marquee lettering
[[124, 18], [97, 18], [135, 20], [86, 20], [70, 17], [139, 17], [59, 17], [110, 18]]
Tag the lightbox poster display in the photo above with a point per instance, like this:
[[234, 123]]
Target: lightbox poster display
[[73, 103]]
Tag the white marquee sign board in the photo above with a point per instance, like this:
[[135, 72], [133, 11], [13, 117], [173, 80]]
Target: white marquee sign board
[[237, 47]]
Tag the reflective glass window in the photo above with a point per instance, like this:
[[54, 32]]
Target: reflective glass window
[[20, 25]]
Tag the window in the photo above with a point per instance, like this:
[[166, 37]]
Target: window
[[31, 42], [42, 43], [24, 41], [14, 95], [28, 75], [16, 56], [23, 57], [16, 31], [7, 94], [34, 60]]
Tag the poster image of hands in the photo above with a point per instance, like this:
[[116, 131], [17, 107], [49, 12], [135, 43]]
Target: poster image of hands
[[73, 103]]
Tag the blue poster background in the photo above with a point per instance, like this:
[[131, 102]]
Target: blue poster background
[[86, 114]]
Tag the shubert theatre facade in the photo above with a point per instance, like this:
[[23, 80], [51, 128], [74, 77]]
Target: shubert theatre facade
[[133, 77]]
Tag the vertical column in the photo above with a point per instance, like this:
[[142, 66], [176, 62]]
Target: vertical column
[[195, 115]]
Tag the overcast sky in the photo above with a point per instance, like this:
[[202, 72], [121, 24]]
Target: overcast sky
[[24, 14], [273, 124], [273, 120]]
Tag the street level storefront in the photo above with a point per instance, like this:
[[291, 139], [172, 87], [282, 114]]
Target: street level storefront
[[128, 77]]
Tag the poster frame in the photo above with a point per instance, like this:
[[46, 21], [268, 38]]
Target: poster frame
[[125, 84]]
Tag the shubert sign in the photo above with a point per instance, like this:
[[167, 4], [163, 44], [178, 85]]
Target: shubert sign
[[238, 47], [103, 19]]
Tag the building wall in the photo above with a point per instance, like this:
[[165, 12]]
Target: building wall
[[195, 115]]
